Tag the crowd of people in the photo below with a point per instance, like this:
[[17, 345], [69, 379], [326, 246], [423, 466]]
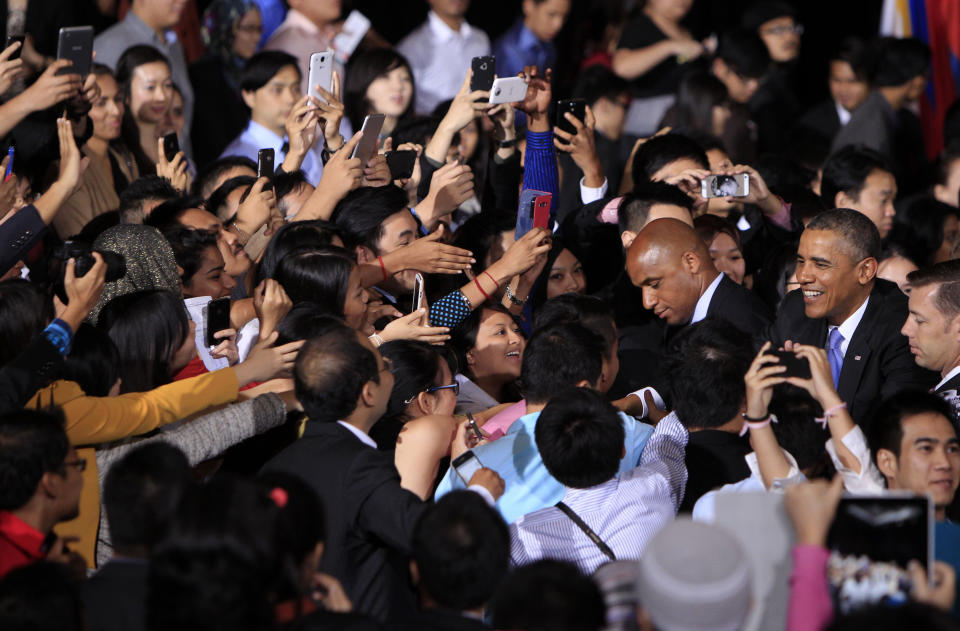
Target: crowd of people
[[352, 388]]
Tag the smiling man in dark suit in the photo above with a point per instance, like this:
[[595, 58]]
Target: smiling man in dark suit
[[671, 265], [842, 306], [344, 385]]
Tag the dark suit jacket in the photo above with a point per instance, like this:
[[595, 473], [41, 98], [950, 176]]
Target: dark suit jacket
[[439, 620], [950, 392], [713, 458], [877, 363], [115, 596], [821, 120], [21, 377], [739, 306], [370, 518], [18, 235]]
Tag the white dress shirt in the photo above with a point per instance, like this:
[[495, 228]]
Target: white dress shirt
[[950, 375], [703, 305], [843, 114], [849, 326], [440, 57], [625, 512], [256, 137]]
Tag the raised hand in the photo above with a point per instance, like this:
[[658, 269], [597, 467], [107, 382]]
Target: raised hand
[[411, 327], [581, 146], [764, 373], [174, 170], [10, 69], [522, 255], [430, 255], [271, 304]]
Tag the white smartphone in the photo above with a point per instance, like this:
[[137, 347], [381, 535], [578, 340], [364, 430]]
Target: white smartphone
[[321, 73], [418, 296], [508, 90], [347, 40], [368, 143], [737, 185], [466, 464]]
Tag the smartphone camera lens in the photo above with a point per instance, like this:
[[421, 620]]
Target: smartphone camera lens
[[483, 66], [497, 92], [322, 59]]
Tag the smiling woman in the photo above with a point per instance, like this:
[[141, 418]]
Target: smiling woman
[[489, 346], [143, 75]]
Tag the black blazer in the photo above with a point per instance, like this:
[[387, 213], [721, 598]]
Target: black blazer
[[739, 306], [18, 235], [115, 596], [370, 518], [877, 363], [821, 120], [713, 458], [950, 392]]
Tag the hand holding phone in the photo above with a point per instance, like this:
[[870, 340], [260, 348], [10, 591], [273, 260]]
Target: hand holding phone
[[797, 366], [76, 44], [484, 70], [419, 299], [466, 464], [508, 90], [218, 319], [171, 146], [577, 107], [265, 158], [737, 185], [365, 149], [533, 211], [11, 40], [321, 74]]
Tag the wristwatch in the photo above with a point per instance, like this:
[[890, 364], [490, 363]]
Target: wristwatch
[[512, 297], [506, 144]]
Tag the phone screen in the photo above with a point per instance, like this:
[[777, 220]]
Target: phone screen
[[797, 366], [218, 319], [171, 146], [737, 185], [484, 69], [577, 107], [466, 465]]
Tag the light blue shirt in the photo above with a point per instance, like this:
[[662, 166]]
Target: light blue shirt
[[528, 485], [256, 137]]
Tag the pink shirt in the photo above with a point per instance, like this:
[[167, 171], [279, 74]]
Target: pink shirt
[[810, 606], [501, 422]]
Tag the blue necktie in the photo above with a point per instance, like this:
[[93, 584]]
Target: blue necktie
[[834, 354]]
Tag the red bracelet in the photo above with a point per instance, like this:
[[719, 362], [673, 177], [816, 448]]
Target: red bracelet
[[383, 268], [477, 283], [495, 283]]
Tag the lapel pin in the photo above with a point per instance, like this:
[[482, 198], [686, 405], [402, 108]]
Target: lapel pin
[[856, 358]]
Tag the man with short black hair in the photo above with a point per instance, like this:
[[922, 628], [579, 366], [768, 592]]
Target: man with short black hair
[[557, 358], [461, 552], [849, 88], [704, 369], [580, 438], [270, 87], [219, 171], [860, 178], [140, 495], [40, 483], [551, 595], [843, 307], [344, 385], [933, 325], [144, 194]]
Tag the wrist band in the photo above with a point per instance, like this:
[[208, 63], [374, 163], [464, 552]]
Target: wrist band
[[376, 339], [751, 419], [748, 425], [477, 283], [383, 268], [495, 283], [828, 413]]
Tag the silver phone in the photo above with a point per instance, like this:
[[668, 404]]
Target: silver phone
[[508, 90], [737, 185], [371, 133], [418, 297], [321, 73]]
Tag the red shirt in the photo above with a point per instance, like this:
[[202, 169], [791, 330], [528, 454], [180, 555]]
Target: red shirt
[[20, 543]]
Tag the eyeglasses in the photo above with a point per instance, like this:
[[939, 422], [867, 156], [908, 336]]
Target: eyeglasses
[[796, 29], [79, 463], [455, 386]]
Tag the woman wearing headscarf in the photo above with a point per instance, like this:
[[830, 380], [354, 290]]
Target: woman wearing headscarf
[[148, 258], [231, 31]]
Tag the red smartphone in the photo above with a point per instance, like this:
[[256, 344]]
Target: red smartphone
[[541, 211]]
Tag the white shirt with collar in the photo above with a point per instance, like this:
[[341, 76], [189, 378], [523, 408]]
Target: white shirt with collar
[[703, 305], [256, 137], [364, 438], [843, 114], [950, 375], [848, 327], [440, 57]]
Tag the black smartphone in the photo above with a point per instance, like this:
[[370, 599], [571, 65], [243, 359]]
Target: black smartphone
[[797, 366], [484, 69], [577, 107], [466, 464], [76, 44], [401, 163], [10, 40], [171, 146], [265, 163], [218, 319]]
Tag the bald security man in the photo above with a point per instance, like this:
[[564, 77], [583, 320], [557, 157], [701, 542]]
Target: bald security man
[[680, 284]]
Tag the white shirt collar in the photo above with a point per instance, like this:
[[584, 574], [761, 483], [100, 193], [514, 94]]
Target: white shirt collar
[[296, 19], [264, 137], [950, 375], [442, 31], [843, 114], [849, 326], [362, 436], [700, 311]]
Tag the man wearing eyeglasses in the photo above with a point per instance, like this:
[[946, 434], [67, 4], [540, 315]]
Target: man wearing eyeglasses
[[843, 307], [40, 483]]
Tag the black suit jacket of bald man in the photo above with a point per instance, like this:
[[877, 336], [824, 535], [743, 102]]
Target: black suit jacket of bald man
[[878, 362]]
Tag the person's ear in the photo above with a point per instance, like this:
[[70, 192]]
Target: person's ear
[[368, 395], [627, 237], [470, 358], [583, 383], [364, 255], [842, 200], [427, 403], [867, 270], [51, 484], [528, 6], [887, 464], [249, 97], [691, 262]]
